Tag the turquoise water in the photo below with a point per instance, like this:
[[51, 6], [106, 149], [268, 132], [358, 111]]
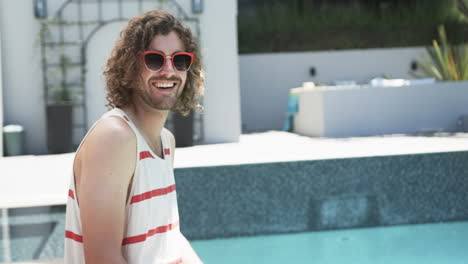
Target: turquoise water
[[445, 243]]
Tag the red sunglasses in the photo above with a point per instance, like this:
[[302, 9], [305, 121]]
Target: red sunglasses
[[155, 60]]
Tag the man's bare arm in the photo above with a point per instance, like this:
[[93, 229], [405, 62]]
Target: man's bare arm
[[106, 165]]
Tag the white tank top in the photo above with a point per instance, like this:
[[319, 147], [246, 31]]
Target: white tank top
[[152, 233]]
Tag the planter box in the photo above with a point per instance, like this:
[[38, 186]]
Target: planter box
[[183, 129], [350, 111], [59, 128]]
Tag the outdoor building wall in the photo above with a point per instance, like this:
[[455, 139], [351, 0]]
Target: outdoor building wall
[[265, 79], [23, 95], [222, 100], [1, 93], [98, 51], [23, 101]]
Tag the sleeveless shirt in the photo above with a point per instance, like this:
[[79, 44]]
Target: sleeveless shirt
[[151, 233]]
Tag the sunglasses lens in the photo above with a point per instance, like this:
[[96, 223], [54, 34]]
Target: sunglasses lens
[[154, 61], [182, 62]]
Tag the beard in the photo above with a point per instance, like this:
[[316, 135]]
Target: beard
[[160, 101]]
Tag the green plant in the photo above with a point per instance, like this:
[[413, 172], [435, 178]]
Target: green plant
[[462, 6], [336, 25], [58, 89], [60, 94], [445, 61]]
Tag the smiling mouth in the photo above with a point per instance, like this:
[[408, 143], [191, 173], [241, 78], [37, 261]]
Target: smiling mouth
[[163, 85]]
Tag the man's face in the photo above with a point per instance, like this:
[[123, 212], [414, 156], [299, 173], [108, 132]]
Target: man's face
[[160, 90]]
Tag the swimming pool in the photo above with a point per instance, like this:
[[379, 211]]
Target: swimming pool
[[427, 243], [423, 243]]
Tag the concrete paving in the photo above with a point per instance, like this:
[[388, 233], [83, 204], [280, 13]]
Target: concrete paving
[[278, 146]]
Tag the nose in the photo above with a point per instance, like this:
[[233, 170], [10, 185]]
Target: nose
[[168, 68]]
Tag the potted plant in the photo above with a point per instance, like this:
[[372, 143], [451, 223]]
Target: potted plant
[[445, 62], [183, 129], [60, 116]]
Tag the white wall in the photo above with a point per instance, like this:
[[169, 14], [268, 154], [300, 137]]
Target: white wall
[[1, 94], [22, 76], [265, 79], [23, 91], [219, 47], [99, 48], [366, 111]]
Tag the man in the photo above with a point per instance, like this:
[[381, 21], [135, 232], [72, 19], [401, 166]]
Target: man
[[122, 205]]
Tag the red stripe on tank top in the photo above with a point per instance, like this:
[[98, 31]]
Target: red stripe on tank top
[[73, 236], [150, 194], [146, 154], [177, 261], [132, 239], [70, 194], [152, 232], [126, 118]]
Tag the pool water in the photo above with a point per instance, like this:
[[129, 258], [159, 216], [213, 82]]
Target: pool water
[[439, 243]]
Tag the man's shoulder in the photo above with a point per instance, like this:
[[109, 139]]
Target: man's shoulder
[[111, 133], [113, 128], [109, 149]]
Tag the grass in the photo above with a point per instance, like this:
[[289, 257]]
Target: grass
[[277, 28]]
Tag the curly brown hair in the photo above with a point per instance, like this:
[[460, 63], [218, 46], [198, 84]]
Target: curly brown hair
[[123, 64]]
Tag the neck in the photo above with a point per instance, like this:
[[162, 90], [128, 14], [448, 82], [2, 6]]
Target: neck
[[149, 121]]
